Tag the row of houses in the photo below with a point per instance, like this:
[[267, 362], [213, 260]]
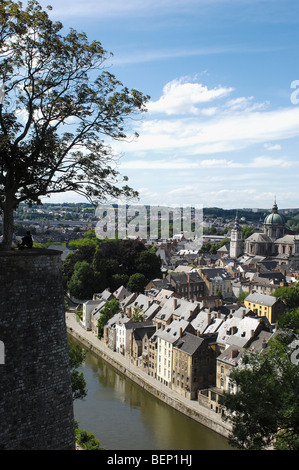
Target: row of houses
[[182, 343]]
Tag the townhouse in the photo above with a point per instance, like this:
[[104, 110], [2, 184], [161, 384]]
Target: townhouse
[[265, 305], [217, 280], [165, 340], [189, 285], [193, 365]]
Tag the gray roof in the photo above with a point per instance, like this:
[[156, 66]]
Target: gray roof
[[259, 237], [183, 309], [262, 299], [188, 343], [150, 312], [139, 333], [286, 239], [142, 301], [212, 273], [258, 342], [237, 331], [172, 331], [232, 355]]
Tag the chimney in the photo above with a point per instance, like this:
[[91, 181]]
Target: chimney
[[181, 332], [175, 303], [251, 333], [234, 353], [209, 318]]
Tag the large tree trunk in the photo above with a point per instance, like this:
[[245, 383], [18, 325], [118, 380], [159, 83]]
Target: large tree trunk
[[8, 224]]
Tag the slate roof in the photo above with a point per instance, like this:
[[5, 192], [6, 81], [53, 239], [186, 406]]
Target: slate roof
[[172, 331], [236, 330], [226, 356], [139, 333], [188, 343], [259, 237], [212, 273], [261, 299], [182, 310]]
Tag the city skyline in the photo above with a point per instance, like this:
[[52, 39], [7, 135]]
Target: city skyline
[[222, 126]]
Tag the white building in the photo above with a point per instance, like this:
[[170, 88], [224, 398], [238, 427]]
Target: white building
[[165, 341]]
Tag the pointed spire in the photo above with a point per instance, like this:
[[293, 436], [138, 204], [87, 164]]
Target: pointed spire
[[275, 208], [237, 226]]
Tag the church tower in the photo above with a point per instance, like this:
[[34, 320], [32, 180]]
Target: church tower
[[274, 223], [236, 243]]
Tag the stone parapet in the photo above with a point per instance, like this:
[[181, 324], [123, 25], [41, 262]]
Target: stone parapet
[[36, 406]]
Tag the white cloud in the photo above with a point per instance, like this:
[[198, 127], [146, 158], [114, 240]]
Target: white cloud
[[213, 163], [272, 147], [182, 97], [245, 104], [221, 132]]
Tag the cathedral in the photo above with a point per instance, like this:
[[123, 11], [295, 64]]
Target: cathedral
[[276, 242]]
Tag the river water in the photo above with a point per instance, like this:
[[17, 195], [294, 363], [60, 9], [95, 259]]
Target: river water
[[123, 416]]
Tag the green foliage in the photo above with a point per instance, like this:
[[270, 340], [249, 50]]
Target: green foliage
[[247, 231], [87, 441], [213, 247], [108, 311], [264, 411], [58, 78], [111, 264], [242, 296], [290, 295], [84, 281], [137, 283], [137, 315], [77, 355], [290, 320], [81, 242]]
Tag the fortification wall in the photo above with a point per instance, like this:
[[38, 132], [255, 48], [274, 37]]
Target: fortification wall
[[36, 406]]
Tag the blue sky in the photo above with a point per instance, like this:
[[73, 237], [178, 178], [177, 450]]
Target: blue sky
[[222, 127]]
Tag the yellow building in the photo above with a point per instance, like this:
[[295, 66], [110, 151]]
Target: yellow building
[[265, 306]]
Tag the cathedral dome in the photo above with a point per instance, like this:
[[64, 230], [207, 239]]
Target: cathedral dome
[[274, 218]]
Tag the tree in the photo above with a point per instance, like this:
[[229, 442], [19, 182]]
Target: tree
[[85, 281], [108, 311], [137, 315], [149, 264], [77, 356], [264, 411], [57, 105], [137, 283], [290, 295]]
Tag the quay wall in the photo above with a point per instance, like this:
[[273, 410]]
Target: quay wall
[[193, 410]]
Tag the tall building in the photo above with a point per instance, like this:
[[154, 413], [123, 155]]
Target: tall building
[[236, 243]]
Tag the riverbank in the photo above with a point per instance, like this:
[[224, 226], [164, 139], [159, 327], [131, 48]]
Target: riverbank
[[192, 409]]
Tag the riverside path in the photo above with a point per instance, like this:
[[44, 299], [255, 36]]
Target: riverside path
[[191, 408]]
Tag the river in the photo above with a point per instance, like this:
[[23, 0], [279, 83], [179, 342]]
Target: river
[[123, 416]]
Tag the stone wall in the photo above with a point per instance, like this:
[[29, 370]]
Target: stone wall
[[36, 406]]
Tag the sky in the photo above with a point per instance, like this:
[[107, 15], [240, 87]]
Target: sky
[[222, 126]]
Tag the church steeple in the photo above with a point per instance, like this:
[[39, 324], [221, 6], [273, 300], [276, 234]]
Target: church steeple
[[236, 243]]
